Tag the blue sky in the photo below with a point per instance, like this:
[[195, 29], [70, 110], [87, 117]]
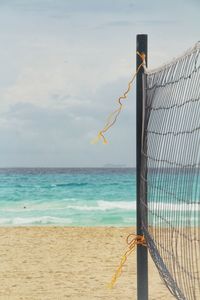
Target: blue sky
[[62, 65]]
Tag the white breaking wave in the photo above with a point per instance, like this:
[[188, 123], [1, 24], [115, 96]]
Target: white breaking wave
[[35, 221], [101, 205], [104, 206], [124, 205], [174, 207], [131, 206]]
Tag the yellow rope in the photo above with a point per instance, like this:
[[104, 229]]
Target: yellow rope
[[135, 240], [114, 115]]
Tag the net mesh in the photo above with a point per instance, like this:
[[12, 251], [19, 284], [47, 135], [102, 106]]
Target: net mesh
[[170, 181]]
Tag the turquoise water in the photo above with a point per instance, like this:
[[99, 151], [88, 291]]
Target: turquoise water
[[95, 197], [73, 197]]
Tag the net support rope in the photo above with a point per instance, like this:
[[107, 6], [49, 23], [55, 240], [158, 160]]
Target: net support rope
[[112, 118], [132, 240]]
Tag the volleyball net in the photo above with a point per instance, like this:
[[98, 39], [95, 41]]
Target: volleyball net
[[170, 172]]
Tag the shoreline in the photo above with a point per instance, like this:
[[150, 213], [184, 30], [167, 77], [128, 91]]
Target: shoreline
[[63, 262]]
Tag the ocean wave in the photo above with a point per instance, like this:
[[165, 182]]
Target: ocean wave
[[70, 184], [44, 220], [124, 205], [104, 206], [99, 205], [174, 207], [73, 204], [131, 206]]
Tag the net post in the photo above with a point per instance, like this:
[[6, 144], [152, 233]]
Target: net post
[[142, 253]]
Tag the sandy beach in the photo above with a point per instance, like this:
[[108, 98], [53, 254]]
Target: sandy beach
[[40, 263]]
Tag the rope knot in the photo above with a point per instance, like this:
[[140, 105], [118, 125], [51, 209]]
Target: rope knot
[[142, 56], [132, 241], [136, 240]]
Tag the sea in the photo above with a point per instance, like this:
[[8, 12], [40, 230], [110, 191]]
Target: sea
[[95, 197], [69, 197]]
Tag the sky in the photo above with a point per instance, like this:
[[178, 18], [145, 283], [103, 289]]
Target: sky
[[63, 63]]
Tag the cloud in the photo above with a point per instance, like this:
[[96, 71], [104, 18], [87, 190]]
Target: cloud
[[58, 135], [60, 76]]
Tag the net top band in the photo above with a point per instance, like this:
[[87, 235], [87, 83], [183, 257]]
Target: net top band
[[195, 48]]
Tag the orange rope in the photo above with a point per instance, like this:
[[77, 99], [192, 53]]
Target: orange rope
[[135, 240], [112, 118]]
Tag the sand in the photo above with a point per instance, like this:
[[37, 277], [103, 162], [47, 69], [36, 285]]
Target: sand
[[69, 263]]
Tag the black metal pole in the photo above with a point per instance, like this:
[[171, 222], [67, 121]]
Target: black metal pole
[[142, 254]]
